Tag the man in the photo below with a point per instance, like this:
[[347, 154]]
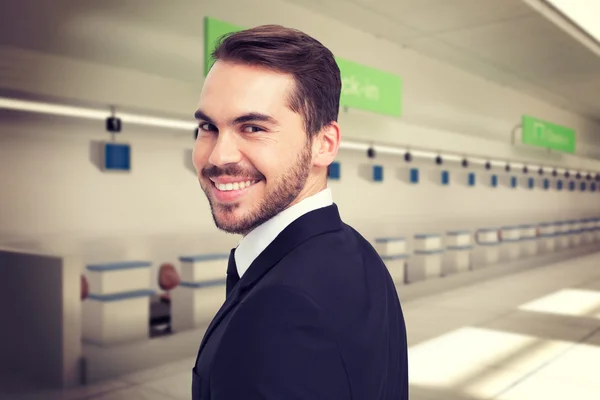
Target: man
[[311, 311]]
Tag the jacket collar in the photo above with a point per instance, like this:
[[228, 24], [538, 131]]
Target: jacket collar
[[311, 224], [253, 244]]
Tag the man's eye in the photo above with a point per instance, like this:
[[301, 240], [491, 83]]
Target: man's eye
[[207, 127], [252, 129]]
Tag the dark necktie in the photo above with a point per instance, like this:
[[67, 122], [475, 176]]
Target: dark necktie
[[232, 274]]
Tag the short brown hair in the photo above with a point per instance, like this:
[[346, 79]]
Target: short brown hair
[[318, 83]]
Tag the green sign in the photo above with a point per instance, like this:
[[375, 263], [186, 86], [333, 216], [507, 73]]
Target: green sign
[[213, 30], [369, 89], [546, 134], [363, 87]]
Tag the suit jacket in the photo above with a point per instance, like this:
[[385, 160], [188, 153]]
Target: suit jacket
[[316, 316]]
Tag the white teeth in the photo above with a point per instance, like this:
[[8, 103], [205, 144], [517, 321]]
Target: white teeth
[[234, 186]]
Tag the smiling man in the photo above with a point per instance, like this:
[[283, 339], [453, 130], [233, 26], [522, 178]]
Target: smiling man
[[311, 311]]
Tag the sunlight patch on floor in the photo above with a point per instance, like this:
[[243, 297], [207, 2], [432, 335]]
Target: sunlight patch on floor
[[479, 362], [571, 302]]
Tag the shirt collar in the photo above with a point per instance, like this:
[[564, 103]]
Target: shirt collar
[[257, 241]]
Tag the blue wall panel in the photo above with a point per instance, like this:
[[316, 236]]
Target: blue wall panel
[[334, 171], [471, 179], [117, 157], [378, 173], [494, 181], [414, 175], [445, 178]]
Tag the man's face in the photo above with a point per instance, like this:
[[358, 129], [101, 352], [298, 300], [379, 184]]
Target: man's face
[[252, 154]]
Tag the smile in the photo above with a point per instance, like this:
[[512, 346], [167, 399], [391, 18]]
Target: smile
[[230, 186], [228, 190]]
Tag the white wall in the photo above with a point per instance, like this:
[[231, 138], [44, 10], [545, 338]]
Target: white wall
[[444, 107], [55, 193], [57, 200]]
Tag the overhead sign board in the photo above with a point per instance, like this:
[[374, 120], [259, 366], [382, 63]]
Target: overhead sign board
[[537, 132]]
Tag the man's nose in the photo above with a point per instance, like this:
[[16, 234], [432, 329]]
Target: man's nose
[[226, 150]]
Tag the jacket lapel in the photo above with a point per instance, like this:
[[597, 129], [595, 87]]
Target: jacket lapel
[[311, 224], [230, 301]]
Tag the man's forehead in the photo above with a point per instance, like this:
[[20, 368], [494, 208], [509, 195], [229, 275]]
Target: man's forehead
[[236, 119], [237, 77], [224, 109], [232, 90]]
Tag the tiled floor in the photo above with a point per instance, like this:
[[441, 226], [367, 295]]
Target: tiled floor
[[533, 335]]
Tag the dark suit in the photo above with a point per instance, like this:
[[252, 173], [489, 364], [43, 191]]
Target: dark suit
[[315, 317]]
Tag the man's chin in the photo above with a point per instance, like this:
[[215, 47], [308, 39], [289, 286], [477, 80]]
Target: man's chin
[[230, 219]]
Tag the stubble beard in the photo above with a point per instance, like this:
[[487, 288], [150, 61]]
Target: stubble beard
[[277, 199]]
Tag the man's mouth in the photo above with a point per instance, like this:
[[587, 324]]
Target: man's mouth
[[238, 185]]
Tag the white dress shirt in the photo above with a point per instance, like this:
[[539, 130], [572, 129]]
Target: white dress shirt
[[257, 241]]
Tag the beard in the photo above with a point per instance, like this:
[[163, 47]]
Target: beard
[[286, 189]]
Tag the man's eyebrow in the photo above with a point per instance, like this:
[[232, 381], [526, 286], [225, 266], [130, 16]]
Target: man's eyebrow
[[200, 115], [254, 116], [249, 117]]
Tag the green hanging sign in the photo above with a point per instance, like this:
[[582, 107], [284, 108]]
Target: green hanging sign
[[363, 87], [213, 30], [537, 132]]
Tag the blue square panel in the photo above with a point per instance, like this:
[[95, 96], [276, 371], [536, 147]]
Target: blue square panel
[[117, 157], [531, 183], [494, 181], [546, 184], [593, 187], [377, 173], [583, 186], [559, 185], [445, 178], [513, 181], [572, 186], [471, 179], [334, 171], [414, 175]]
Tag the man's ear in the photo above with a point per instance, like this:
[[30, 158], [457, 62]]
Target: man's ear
[[326, 144]]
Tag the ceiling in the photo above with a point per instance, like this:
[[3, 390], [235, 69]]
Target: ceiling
[[158, 38], [511, 42], [517, 43]]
